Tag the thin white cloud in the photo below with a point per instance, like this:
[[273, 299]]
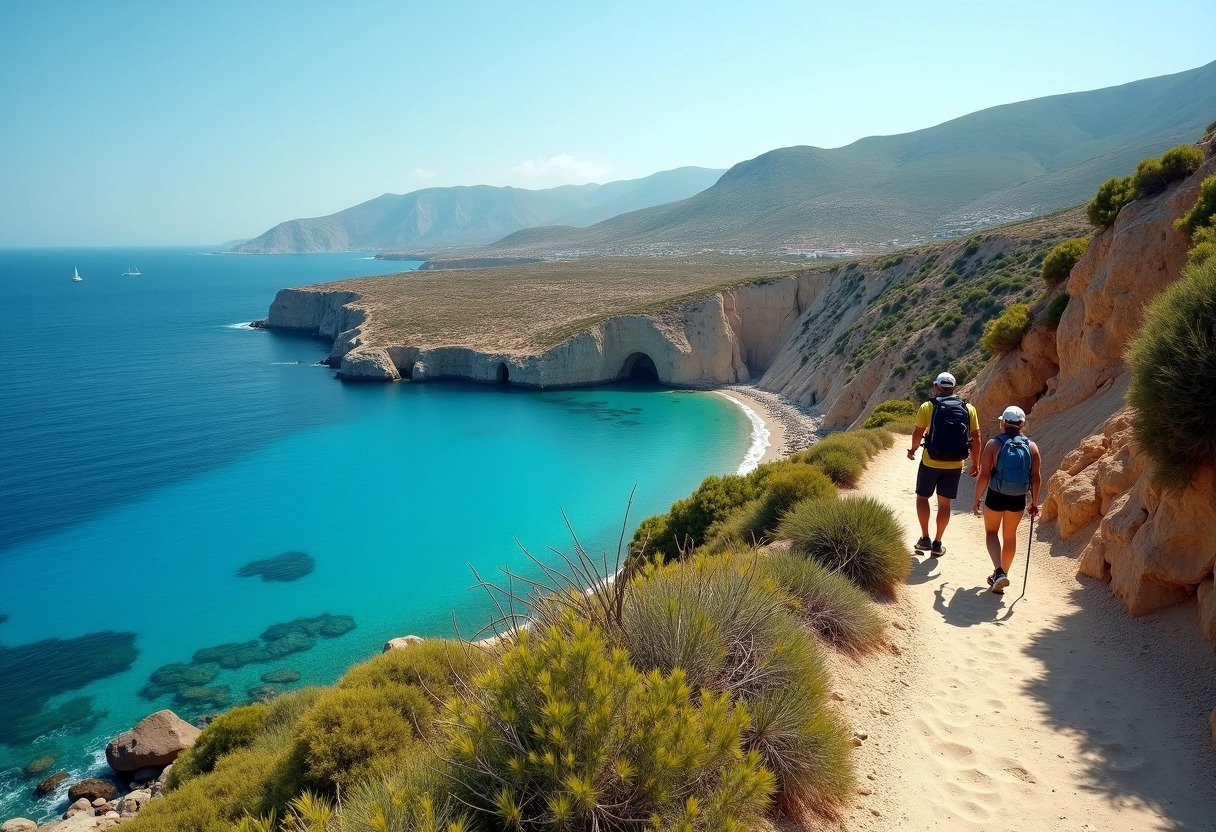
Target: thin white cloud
[[423, 173], [563, 169]]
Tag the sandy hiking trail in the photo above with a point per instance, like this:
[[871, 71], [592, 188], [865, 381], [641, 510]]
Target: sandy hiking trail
[[1059, 712]]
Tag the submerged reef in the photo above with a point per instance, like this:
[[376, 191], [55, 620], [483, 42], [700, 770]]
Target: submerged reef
[[289, 566], [190, 682], [32, 674]]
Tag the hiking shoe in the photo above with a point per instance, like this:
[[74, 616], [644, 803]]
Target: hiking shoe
[[998, 580], [937, 550], [922, 545]]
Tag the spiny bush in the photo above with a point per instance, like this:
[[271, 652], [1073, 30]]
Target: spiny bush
[[745, 526], [717, 618], [435, 666], [1152, 175], [565, 734], [859, 537], [1059, 261], [1203, 210], [839, 611], [841, 467], [1173, 389], [1005, 333], [876, 438], [353, 733], [843, 442], [1112, 195], [235, 729], [1056, 310], [1203, 245], [413, 798]]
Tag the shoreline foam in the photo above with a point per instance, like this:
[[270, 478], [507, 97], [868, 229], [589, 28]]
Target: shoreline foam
[[790, 426]]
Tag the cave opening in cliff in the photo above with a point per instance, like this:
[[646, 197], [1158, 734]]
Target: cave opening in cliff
[[504, 374], [640, 367]]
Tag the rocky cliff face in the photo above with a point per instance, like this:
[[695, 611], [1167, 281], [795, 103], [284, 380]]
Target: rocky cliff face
[[724, 338], [1154, 547]]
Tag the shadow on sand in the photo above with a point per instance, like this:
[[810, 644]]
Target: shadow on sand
[[1137, 695]]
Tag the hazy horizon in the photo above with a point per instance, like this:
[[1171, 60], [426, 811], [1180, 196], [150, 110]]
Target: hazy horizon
[[138, 124]]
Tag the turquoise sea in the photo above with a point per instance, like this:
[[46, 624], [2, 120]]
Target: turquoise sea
[[153, 444]]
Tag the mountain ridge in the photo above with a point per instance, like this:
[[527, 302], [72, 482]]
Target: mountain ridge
[[468, 215]]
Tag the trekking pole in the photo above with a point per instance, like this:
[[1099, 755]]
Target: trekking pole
[[1026, 574]]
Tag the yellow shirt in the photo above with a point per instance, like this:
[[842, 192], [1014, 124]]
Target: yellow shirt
[[924, 417]]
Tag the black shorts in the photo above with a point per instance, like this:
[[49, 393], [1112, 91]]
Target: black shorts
[[943, 480], [997, 501]]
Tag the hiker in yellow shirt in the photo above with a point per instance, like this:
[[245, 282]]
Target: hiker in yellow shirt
[[951, 430]]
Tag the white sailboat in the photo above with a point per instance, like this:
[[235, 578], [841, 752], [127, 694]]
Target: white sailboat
[[76, 278], [131, 272]]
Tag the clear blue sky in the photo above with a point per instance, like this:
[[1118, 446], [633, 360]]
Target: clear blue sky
[[142, 123]]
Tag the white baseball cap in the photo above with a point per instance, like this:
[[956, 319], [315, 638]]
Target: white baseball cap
[[944, 380], [1014, 415]]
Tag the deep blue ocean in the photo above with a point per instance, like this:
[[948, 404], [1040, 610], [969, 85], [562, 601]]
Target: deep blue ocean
[[152, 445]]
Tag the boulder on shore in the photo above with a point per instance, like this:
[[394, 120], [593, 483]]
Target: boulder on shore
[[155, 741], [400, 643], [19, 825], [92, 789], [50, 784]]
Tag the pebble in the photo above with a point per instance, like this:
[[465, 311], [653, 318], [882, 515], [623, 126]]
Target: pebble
[[863, 791], [838, 696]]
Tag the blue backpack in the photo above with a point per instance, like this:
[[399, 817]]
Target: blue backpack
[[1011, 474]]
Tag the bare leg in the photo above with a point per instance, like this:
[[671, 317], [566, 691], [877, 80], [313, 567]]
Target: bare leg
[[1009, 537], [992, 523], [922, 514], [943, 515]]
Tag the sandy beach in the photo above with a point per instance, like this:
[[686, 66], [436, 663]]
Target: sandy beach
[[1057, 711], [790, 426]]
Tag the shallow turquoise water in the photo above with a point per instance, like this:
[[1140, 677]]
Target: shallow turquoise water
[[138, 481]]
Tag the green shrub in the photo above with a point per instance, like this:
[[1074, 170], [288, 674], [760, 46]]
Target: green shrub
[[1203, 245], [832, 605], [413, 798], [563, 734], [715, 618], [1005, 333], [1112, 195], [235, 729], [877, 438], [689, 520], [744, 526], [1173, 389], [1059, 262], [246, 781], [1203, 210], [351, 734], [1153, 175], [841, 467], [858, 537], [1056, 310], [843, 442], [434, 665], [892, 410], [652, 538], [905, 428], [286, 710]]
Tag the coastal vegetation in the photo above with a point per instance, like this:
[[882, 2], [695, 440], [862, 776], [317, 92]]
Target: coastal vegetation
[[1004, 333], [1152, 175], [690, 694], [1173, 359], [1059, 261]]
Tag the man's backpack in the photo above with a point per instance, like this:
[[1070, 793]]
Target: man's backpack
[[949, 437], [1011, 474]]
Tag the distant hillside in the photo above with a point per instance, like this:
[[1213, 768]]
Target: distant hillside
[[468, 216], [993, 166]]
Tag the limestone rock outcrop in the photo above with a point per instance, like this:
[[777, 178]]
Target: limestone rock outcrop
[[155, 741], [1155, 546], [401, 642]]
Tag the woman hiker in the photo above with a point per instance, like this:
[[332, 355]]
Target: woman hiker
[[1009, 469]]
